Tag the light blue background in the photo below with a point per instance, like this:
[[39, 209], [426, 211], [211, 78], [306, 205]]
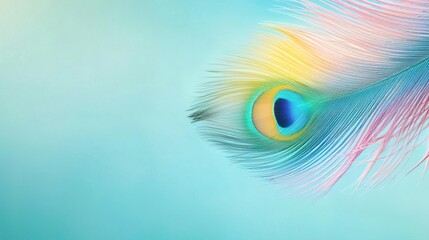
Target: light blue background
[[95, 143]]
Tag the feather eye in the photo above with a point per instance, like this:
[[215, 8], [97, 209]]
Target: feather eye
[[281, 113], [348, 82]]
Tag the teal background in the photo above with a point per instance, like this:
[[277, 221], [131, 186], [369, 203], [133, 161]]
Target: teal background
[[95, 143]]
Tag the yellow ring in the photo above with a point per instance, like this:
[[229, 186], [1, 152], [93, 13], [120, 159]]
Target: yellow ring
[[263, 116]]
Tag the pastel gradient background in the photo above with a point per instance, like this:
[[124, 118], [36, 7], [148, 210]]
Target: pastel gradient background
[[95, 143]]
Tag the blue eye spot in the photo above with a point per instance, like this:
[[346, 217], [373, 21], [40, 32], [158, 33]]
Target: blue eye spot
[[283, 112], [291, 112]]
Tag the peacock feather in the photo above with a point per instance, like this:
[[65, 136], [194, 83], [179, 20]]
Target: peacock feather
[[344, 82]]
